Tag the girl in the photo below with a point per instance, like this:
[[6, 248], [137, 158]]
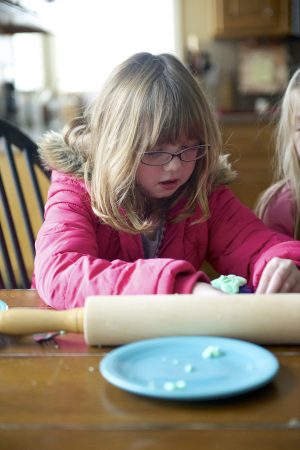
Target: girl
[[279, 206], [138, 198]]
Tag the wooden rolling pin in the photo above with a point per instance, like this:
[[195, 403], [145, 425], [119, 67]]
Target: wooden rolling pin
[[114, 320]]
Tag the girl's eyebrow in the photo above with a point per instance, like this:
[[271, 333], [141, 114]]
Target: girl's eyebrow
[[180, 147]]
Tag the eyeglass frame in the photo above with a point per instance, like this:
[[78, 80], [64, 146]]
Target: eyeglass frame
[[173, 155]]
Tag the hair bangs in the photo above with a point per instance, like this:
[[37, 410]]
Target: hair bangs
[[180, 119], [168, 117]]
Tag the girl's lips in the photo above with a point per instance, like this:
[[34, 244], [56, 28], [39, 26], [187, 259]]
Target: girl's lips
[[169, 184]]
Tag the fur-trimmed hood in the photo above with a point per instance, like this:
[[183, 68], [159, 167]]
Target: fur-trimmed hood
[[55, 154]]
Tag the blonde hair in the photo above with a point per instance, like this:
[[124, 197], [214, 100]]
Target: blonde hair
[[147, 100], [287, 164]]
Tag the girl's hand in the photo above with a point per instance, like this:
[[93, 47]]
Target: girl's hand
[[279, 275], [201, 288]]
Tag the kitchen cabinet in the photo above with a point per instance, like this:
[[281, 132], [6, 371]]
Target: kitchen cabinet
[[239, 19], [250, 146], [244, 18]]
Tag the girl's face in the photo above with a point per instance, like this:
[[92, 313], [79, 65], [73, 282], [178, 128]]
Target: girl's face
[[158, 182], [297, 128]]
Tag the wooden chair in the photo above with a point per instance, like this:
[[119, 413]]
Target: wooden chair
[[23, 187]]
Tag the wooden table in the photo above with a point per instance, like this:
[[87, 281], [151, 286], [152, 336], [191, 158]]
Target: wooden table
[[55, 398]]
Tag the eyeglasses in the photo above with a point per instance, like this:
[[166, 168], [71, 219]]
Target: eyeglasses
[[189, 154]]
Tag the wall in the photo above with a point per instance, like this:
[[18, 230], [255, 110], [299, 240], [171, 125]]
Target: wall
[[197, 18]]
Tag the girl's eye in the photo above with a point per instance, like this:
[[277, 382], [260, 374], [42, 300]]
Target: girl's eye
[[154, 158], [153, 155]]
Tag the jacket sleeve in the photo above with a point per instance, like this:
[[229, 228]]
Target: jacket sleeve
[[239, 243], [67, 268]]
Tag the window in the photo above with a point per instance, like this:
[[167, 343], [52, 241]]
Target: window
[[28, 70], [94, 36]]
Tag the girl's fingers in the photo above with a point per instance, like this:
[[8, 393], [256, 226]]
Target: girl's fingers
[[279, 275], [267, 275], [287, 285]]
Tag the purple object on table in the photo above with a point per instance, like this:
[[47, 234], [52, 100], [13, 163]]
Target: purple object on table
[[245, 290]]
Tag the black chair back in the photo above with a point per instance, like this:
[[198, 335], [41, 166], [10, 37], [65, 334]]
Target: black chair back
[[18, 154]]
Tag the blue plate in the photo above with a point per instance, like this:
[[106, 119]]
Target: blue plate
[[174, 367], [3, 305]]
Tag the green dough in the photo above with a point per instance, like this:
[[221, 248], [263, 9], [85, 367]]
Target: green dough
[[230, 284]]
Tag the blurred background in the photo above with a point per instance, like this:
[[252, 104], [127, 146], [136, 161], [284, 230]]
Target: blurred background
[[55, 55]]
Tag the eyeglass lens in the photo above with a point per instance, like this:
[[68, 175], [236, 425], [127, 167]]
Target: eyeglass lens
[[160, 158]]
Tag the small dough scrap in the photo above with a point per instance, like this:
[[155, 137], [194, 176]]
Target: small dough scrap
[[169, 386], [188, 368], [212, 351], [176, 385]]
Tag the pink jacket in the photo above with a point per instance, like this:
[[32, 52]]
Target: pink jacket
[[77, 256], [280, 212]]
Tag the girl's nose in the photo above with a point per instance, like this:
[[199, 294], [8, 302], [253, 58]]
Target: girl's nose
[[174, 164]]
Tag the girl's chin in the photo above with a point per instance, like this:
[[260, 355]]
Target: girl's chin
[[160, 194]]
